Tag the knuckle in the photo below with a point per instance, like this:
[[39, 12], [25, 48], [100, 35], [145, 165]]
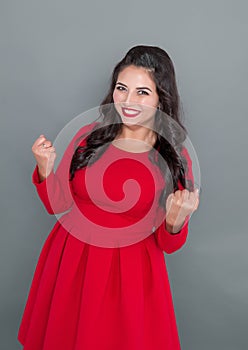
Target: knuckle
[[178, 203]]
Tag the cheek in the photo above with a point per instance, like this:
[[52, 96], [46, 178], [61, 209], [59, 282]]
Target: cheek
[[149, 101], [118, 96], [154, 102], [117, 101]]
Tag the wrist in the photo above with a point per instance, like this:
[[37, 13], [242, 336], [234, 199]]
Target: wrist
[[42, 174], [174, 227]]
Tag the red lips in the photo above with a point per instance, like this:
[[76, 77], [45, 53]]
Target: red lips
[[130, 112]]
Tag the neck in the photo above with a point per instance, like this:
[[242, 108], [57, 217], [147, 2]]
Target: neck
[[137, 132], [130, 134]]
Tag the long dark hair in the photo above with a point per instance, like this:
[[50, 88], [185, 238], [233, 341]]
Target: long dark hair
[[171, 133]]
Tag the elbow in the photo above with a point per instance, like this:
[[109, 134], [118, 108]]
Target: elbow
[[49, 210]]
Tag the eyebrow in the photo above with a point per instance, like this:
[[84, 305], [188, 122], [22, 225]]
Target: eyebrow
[[138, 88]]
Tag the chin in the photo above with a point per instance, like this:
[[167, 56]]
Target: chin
[[130, 121], [138, 122]]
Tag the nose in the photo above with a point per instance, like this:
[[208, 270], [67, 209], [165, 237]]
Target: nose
[[129, 98]]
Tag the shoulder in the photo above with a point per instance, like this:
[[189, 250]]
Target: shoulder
[[83, 133], [185, 154]]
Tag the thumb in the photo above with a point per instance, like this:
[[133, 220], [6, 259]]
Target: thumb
[[51, 158], [196, 191]]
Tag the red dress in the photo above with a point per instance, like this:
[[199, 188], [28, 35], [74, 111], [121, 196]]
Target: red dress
[[89, 297]]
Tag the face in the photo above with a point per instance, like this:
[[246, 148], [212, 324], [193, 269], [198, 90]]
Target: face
[[135, 96]]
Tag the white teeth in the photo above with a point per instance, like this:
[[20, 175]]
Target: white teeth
[[130, 112]]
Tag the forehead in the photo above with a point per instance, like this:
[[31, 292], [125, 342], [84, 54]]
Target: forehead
[[136, 75]]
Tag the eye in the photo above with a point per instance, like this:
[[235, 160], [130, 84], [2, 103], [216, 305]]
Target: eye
[[142, 92], [119, 87]]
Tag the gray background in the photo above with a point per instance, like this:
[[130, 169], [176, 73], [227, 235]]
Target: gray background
[[56, 61]]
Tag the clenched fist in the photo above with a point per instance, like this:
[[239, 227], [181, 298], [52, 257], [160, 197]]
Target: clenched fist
[[178, 206], [45, 155]]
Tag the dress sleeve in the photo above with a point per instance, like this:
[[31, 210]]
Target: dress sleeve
[[171, 242], [55, 191]]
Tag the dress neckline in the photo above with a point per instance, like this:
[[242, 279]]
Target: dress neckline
[[128, 152]]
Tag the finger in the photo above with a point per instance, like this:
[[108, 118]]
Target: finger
[[194, 202], [197, 194], [185, 194], [193, 195], [47, 149], [39, 141], [177, 194], [46, 144], [197, 191], [169, 201], [170, 198], [51, 149]]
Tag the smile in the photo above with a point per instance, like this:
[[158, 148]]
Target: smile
[[130, 112]]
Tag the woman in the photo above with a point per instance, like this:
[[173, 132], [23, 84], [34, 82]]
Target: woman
[[111, 290]]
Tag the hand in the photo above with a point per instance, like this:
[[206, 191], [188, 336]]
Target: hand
[[178, 206], [45, 155]]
